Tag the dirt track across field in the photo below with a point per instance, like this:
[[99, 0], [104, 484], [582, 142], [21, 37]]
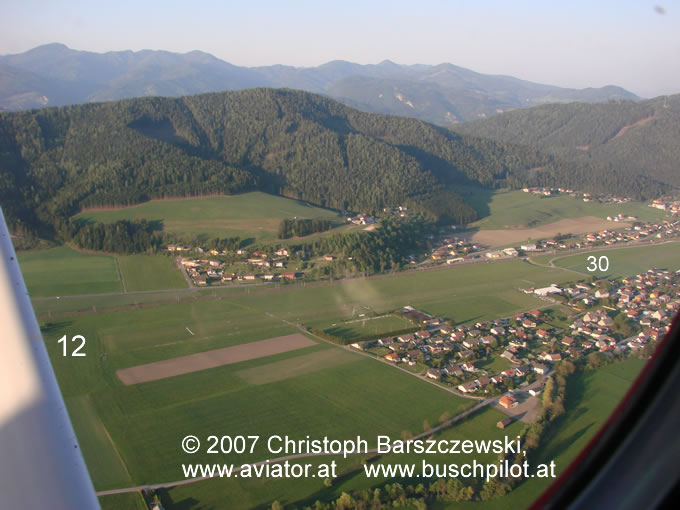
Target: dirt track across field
[[566, 226], [212, 359]]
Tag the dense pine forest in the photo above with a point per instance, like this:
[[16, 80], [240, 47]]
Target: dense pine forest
[[55, 161], [625, 138]]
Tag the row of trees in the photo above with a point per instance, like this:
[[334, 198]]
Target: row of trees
[[120, 237], [302, 227]]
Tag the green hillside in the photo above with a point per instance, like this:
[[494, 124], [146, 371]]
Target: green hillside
[[55, 161], [634, 138]]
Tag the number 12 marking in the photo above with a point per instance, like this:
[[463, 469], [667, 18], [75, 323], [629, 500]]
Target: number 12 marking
[[76, 352]]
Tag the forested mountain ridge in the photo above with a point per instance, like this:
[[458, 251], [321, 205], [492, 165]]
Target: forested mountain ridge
[[54, 161], [634, 138], [444, 94]]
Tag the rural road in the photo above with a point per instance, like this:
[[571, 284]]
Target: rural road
[[184, 272]]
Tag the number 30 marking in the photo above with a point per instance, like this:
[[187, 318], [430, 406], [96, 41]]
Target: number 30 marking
[[602, 263]]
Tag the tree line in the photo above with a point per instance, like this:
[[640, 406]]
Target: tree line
[[299, 227]]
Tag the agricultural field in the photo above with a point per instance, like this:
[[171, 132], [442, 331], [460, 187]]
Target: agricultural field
[[144, 423], [464, 293], [63, 271], [507, 209], [254, 215], [622, 261], [591, 397], [358, 327], [130, 435], [131, 501], [147, 272]]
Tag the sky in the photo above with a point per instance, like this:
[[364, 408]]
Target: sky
[[631, 43]]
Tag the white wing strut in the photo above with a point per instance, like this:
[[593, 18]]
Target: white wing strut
[[41, 465]]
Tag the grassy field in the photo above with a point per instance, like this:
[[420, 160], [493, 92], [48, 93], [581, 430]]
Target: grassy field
[[464, 293], [131, 434], [273, 395], [511, 209], [591, 397], [248, 494], [354, 328], [622, 261], [63, 271], [253, 215], [146, 272], [146, 421], [132, 501]]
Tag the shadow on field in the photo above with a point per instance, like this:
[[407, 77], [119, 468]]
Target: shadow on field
[[471, 319], [51, 327], [479, 198], [156, 225], [561, 447], [341, 332], [185, 504]]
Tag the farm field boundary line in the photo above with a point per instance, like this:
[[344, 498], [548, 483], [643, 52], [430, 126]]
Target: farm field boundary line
[[120, 274]]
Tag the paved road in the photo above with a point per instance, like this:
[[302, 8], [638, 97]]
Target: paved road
[[183, 269]]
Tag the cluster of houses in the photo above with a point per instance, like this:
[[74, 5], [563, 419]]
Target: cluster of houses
[[211, 271], [671, 207], [362, 219], [648, 230], [586, 197], [401, 211], [454, 249], [531, 342]]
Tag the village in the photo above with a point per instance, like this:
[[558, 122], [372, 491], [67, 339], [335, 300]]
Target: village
[[214, 267], [493, 357], [452, 250], [670, 206]]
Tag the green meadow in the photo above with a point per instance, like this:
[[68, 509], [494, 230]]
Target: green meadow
[[358, 327], [131, 435], [137, 429], [63, 271], [253, 215], [147, 272], [464, 293], [500, 209], [130, 501], [142, 425], [591, 397]]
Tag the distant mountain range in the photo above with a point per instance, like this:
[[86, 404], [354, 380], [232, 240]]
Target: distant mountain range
[[445, 94]]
